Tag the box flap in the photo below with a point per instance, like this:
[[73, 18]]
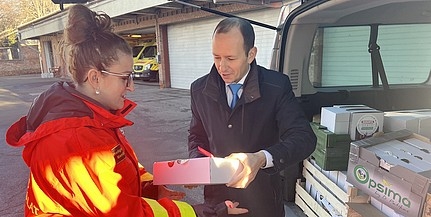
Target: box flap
[[401, 134]]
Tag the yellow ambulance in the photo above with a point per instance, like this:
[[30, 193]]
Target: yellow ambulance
[[146, 66]]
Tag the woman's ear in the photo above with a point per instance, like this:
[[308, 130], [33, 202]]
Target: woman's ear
[[93, 77], [251, 54]]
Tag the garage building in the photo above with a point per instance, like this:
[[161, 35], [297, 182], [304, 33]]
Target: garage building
[[183, 33]]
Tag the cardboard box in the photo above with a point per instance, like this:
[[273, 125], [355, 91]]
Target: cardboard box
[[342, 180], [335, 119], [332, 150], [330, 159], [349, 106], [412, 120], [395, 121], [424, 127], [357, 120], [329, 139], [319, 196], [364, 123], [205, 171], [384, 178]]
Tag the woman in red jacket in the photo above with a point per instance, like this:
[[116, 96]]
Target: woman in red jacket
[[80, 162]]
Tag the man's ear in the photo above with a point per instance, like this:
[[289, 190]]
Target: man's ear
[[251, 54]]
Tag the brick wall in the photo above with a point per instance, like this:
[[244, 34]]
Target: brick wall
[[28, 64]]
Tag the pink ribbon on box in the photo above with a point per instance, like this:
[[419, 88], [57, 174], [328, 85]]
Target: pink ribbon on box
[[205, 152]]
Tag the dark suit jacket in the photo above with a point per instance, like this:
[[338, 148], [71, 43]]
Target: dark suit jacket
[[267, 116]]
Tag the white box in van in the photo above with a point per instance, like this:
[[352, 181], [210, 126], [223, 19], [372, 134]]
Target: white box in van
[[335, 119]]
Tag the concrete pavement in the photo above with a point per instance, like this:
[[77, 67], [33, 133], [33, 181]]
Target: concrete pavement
[[159, 133]]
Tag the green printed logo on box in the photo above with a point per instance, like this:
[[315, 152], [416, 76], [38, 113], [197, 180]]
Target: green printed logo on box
[[381, 189]]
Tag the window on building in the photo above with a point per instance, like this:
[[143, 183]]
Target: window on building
[[9, 53]]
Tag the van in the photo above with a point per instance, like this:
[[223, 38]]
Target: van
[[146, 66], [374, 53]]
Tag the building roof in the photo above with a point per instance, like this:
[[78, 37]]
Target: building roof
[[118, 10]]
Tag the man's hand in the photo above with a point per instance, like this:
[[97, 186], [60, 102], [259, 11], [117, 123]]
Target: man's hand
[[251, 163], [171, 194]]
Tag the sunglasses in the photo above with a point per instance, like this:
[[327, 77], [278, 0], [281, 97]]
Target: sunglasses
[[127, 77]]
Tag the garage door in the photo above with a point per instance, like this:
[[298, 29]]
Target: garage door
[[190, 46]]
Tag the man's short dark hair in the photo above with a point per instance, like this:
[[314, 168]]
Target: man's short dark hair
[[244, 27]]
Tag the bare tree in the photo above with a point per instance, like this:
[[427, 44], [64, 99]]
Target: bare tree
[[34, 9], [14, 13], [9, 11]]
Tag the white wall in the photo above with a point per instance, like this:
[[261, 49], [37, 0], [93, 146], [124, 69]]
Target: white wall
[[190, 45]]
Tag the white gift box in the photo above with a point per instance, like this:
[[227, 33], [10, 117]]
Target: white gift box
[[205, 171]]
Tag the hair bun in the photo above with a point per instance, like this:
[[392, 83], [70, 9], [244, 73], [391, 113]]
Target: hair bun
[[84, 24]]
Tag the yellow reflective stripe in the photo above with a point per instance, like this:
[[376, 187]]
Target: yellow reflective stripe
[[158, 209], [146, 177], [185, 209]]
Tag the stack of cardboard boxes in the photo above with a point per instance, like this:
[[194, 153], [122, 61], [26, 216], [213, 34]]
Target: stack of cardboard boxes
[[339, 125], [395, 170], [332, 150], [416, 121], [391, 169]]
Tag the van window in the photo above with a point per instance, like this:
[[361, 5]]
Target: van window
[[340, 55], [136, 50], [149, 51]]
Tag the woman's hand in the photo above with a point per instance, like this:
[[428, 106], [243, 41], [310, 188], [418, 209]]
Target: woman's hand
[[222, 209], [232, 208], [171, 194]]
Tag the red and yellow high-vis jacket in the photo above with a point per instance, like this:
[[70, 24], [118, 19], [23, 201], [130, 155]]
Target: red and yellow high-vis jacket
[[80, 162]]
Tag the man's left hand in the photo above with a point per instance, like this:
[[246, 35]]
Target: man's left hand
[[251, 163]]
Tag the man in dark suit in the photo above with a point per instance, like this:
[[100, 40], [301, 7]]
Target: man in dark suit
[[244, 111]]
